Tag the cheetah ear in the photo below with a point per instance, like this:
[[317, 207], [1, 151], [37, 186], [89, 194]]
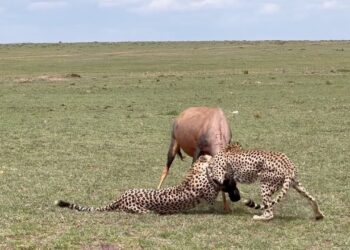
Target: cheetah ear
[[204, 158], [201, 158], [237, 145]]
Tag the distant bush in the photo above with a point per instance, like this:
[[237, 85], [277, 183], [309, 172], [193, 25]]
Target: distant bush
[[343, 70]]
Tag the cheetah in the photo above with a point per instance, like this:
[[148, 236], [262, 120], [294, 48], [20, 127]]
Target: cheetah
[[196, 187], [274, 171]]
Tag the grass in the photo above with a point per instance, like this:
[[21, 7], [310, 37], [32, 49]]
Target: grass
[[88, 138]]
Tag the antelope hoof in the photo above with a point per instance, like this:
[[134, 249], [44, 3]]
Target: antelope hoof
[[319, 216]]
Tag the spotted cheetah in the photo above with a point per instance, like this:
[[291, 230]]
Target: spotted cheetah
[[195, 188], [274, 170]]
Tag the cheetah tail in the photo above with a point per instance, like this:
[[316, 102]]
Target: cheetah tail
[[109, 207], [250, 203]]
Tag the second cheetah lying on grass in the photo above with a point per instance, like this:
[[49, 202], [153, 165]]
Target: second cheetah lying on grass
[[197, 187]]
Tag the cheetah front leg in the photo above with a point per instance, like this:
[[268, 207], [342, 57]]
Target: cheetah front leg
[[266, 193]]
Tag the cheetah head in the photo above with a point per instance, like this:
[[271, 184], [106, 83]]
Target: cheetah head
[[205, 158], [223, 181], [200, 165], [217, 175]]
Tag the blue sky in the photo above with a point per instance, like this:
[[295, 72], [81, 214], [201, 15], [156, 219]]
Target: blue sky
[[172, 20]]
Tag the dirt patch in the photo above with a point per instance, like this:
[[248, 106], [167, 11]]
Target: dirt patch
[[47, 78], [73, 75]]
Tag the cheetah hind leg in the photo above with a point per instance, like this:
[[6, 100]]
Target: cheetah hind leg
[[301, 190]]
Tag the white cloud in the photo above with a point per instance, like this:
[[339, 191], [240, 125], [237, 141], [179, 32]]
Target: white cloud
[[197, 4], [47, 5], [270, 8], [166, 5], [162, 5], [330, 5], [117, 3]]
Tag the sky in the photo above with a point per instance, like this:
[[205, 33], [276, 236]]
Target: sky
[[172, 20]]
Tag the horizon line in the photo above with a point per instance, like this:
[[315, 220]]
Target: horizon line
[[181, 41]]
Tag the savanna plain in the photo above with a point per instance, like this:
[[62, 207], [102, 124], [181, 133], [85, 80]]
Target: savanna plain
[[84, 122]]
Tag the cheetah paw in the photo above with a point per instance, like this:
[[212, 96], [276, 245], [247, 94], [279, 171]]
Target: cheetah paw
[[263, 217]]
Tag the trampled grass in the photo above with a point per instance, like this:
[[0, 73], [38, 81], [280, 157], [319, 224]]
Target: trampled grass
[[86, 139]]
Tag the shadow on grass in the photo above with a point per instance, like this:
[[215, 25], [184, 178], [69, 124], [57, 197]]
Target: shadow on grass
[[238, 210], [218, 208]]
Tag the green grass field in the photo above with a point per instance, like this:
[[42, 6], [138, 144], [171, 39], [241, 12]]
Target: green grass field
[[87, 139]]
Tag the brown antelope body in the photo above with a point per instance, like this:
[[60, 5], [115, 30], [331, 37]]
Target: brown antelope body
[[198, 131]]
